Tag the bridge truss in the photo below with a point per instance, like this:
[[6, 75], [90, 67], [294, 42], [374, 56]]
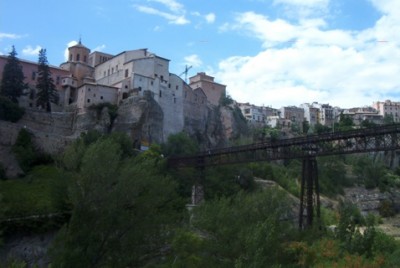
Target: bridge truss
[[307, 148]]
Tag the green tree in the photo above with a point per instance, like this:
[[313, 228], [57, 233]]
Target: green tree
[[25, 150], [306, 126], [47, 93], [345, 123], [122, 210], [12, 83], [247, 230], [180, 144], [10, 111], [319, 128], [388, 119]]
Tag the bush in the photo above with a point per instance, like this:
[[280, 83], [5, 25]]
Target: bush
[[2, 172], [386, 209], [10, 111], [24, 150]]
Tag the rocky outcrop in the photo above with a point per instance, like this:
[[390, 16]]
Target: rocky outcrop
[[141, 118], [370, 200], [29, 248]]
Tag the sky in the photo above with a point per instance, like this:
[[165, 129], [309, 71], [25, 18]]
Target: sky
[[267, 52]]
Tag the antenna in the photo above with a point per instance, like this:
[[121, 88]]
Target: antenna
[[187, 68]]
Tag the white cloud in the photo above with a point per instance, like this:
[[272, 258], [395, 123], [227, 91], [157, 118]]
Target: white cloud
[[304, 8], [175, 15], [210, 18], [193, 60], [70, 44], [305, 62], [303, 2], [30, 51], [99, 48], [173, 18], [9, 36], [172, 5]]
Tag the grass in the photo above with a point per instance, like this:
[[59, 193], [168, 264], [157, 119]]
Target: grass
[[40, 192]]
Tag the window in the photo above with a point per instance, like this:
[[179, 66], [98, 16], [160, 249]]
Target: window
[[126, 72], [112, 70], [169, 85], [160, 94], [57, 80], [116, 68], [101, 97], [126, 86], [104, 73], [94, 95], [140, 88], [89, 89], [162, 78], [174, 100], [84, 58], [151, 83], [108, 71], [33, 75], [88, 100], [176, 87], [78, 57]]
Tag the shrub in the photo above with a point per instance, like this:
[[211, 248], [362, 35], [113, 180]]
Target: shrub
[[10, 111]]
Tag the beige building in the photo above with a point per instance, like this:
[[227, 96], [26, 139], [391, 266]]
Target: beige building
[[388, 108], [257, 114], [213, 90]]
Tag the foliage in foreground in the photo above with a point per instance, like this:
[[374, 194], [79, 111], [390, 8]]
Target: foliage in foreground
[[129, 203]]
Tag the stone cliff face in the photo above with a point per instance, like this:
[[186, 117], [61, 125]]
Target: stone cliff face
[[140, 117]]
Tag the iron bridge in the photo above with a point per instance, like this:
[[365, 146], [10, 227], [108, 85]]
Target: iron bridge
[[307, 148]]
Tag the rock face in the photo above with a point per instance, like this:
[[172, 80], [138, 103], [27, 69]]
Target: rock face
[[30, 248], [369, 201], [140, 117]]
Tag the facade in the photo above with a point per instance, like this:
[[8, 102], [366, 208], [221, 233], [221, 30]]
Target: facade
[[388, 108], [358, 115], [30, 71], [327, 114], [294, 114], [257, 114], [213, 90], [311, 113]]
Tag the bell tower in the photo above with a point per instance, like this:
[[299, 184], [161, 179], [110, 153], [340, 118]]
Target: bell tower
[[78, 53]]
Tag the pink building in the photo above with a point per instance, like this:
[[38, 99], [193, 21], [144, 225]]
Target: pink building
[[212, 89], [30, 71]]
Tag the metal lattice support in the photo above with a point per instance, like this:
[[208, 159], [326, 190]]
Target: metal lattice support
[[309, 192]]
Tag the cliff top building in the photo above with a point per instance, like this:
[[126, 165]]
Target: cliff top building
[[213, 90]]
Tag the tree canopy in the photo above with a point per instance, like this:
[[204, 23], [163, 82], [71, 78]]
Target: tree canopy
[[47, 93], [12, 84]]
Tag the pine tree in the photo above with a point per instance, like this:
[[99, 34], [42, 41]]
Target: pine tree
[[12, 84], [47, 93]]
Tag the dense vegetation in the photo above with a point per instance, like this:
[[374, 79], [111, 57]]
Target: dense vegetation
[[127, 209]]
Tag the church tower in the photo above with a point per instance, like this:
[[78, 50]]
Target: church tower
[[78, 53], [80, 72]]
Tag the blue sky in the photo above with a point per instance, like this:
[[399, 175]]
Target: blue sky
[[267, 52]]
